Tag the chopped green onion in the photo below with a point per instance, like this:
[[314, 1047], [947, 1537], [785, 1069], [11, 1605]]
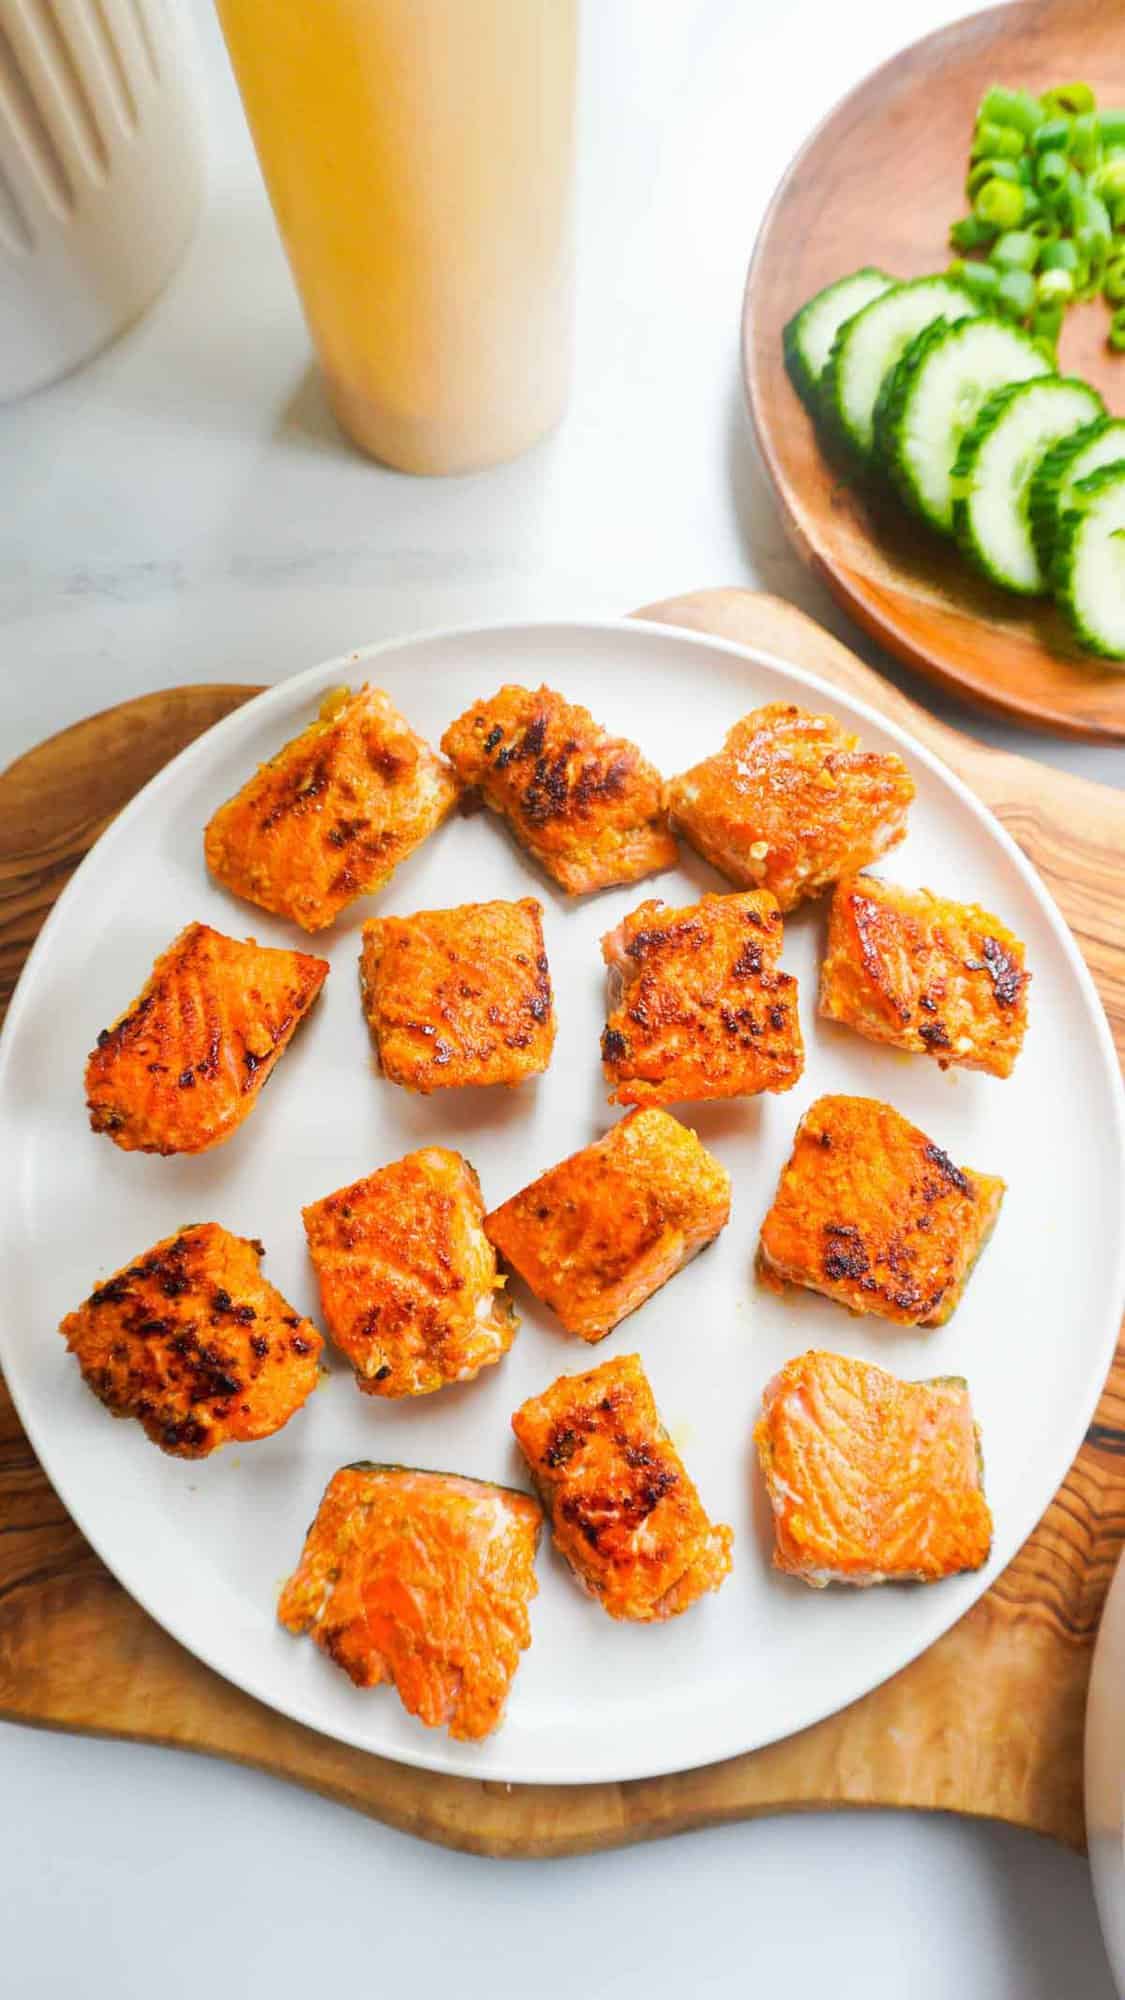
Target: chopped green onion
[[990, 170], [1111, 125], [1085, 141], [1061, 255], [1015, 293], [1014, 107], [1054, 288], [1108, 180], [999, 202], [1113, 284], [1016, 250], [1068, 98], [1000, 141], [971, 233], [1117, 331], [1051, 172], [1089, 212], [982, 281], [1053, 136]]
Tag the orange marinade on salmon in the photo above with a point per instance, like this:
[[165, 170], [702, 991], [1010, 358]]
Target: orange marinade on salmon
[[192, 1341], [409, 1288], [699, 1007], [423, 1579], [871, 1480], [182, 1068], [586, 805], [456, 997], [939, 978], [791, 803], [330, 817], [872, 1213], [623, 1510], [595, 1236]]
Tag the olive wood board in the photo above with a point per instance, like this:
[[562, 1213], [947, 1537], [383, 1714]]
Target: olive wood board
[[879, 182], [988, 1722]]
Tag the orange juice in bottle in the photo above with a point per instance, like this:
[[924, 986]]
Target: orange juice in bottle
[[418, 155]]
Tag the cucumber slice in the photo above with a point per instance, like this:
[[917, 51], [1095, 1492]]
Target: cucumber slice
[[937, 391], [867, 347], [992, 476], [1071, 459], [1089, 565], [807, 340]]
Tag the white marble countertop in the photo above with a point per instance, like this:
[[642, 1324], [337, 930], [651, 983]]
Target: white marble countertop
[[183, 510]]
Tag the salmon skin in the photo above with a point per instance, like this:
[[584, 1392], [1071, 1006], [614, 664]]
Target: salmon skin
[[699, 1007], [192, 1341], [872, 1213], [462, 996], [939, 978], [595, 1236], [791, 803], [623, 1510], [423, 1579], [332, 815], [409, 1287], [185, 1064], [587, 806], [872, 1480]]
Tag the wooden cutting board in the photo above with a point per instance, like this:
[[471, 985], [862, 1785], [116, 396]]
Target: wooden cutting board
[[989, 1721]]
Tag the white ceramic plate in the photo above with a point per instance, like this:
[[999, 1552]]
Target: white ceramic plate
[[205, 1546]]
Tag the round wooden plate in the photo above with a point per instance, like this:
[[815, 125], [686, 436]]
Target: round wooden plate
[[879, 183]]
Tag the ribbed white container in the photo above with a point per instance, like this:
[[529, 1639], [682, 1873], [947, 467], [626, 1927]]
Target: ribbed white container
[[101, 174]]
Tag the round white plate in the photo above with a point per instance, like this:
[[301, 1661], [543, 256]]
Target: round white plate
[[204, 1547]]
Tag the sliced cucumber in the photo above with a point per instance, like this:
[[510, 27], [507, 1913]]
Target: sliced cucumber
[[1071, 459], [992, 476], [936, 393], [807, 340], [867, 347], [1089, 564]]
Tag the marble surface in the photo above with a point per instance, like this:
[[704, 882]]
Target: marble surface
[[183, 509]]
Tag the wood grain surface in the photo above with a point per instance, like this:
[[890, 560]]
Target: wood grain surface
[[989, 1721], [879, 182]]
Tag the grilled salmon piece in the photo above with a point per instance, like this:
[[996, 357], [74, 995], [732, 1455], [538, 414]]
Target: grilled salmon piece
[[462, 996], [332, 815], [623, 1510], [872, 1213], [409, 1288], [791, 803], [938, 978], [597, 1235], [192, 1341], [423, 1579], [698, 1006], [871, 1480], [587, 806], [182, 1068]]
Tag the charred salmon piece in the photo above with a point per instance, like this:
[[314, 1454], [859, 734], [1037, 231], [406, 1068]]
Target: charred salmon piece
[[791, 803], [587, 806], [698, 1005], [182, 1068], [623, 1510], [409, 1288], [423, 1579], [192, 1341], [332, 815], [941, 979], [595, 1236], [455, 997], [872, 1213], [871, 1480]]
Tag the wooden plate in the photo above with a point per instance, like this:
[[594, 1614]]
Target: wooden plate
[[879, 183]]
